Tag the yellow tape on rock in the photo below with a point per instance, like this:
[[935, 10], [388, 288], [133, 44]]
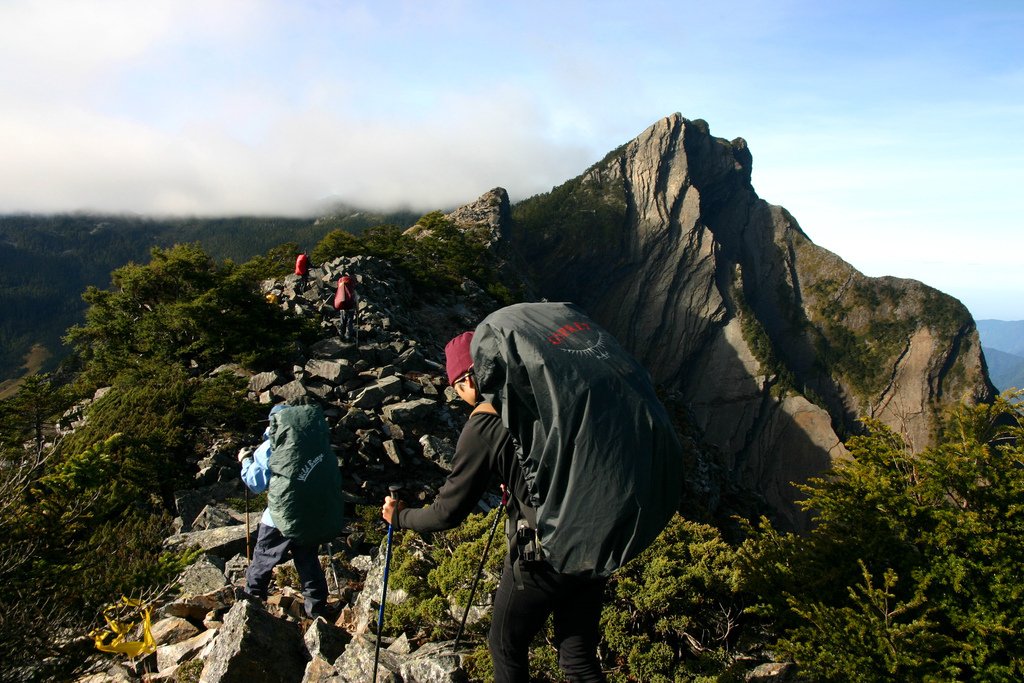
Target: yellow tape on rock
[[122, 618]]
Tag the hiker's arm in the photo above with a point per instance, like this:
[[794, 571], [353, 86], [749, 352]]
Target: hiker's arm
[[256, 470], [472, 465]]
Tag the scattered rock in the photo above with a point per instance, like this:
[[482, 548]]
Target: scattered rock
[[254, 647], [202, 577], [171, 655], [172, 630]]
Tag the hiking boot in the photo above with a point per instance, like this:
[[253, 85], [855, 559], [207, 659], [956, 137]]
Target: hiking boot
[[329, 611], [242, 594]]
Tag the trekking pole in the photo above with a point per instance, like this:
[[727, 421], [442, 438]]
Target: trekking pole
[[334, 570], [480, 569], [248, 551], [384, 588]]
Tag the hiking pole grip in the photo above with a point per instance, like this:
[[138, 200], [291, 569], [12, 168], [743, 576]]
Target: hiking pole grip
[[384, 587]]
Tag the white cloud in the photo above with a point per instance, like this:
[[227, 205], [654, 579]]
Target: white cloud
[[267, 106], [464, 148]]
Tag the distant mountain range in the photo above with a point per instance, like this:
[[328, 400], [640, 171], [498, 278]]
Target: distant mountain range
[[1003, 343]]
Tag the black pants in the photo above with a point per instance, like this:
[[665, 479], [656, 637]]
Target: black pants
[[519, 615], [271, 550]]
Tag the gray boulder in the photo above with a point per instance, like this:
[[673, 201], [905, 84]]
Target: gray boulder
[[408, 412], [170, 656], [214, 517], [202, 576], [291, 391], [333, 371], [355, 665], [332, 347], [223, 542], [437, 450], [197, 608], [433, 663], [190, 502], [260, 382], [254, 647], [325, 640], [373, 395], [172, 630]]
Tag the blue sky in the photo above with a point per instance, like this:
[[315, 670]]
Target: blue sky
[[891, 130]]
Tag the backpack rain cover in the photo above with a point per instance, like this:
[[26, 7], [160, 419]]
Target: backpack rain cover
[[304, 495], [600, 457], [345, 296]]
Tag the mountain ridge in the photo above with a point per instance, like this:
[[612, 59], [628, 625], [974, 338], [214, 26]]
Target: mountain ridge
[[779, 346], [1004, 335], [1006, 369]]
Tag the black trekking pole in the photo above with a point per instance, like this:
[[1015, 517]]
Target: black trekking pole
[[384, 588], [248, 551], [480, 569]]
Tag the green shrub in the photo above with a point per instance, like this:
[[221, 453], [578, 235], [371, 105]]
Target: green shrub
[[436, 256], [180, 309], [336, 244], [676, 610], [911, 570], [438, 579]]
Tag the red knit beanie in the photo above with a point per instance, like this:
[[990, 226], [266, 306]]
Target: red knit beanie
[[457, 356]]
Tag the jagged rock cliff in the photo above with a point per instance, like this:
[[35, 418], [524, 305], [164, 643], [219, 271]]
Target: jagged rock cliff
[[777, 345]]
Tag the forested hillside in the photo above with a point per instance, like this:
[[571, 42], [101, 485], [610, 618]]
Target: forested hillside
[[47, 262]]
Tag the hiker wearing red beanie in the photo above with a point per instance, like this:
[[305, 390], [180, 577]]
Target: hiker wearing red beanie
[[528, 591]]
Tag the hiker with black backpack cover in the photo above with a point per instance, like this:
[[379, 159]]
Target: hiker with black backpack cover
[[571, 425], [296, 465]]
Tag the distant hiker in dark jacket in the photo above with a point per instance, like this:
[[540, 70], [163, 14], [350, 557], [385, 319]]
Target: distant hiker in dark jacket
[[346, 302], [302, 270], [485, 447], [273, 546]]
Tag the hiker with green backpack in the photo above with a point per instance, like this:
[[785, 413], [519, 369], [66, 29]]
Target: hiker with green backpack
[[571, 425], [297, 467]]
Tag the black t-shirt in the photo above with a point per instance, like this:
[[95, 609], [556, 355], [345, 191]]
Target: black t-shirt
[[485, 448]]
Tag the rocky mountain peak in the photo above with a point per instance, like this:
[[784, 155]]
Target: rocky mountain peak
[[491, 212], [777, 346]]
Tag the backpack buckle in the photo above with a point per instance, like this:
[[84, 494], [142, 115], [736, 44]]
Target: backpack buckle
[[526, 541]]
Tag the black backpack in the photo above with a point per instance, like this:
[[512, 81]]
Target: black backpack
[[601, 459]]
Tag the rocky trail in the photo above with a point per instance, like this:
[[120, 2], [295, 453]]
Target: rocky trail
[[394, 421]]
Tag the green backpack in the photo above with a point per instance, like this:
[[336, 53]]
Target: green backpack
[[304, 496]]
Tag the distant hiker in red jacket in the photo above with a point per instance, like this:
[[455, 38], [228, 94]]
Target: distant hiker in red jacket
[[302, 270], [345, 302]]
